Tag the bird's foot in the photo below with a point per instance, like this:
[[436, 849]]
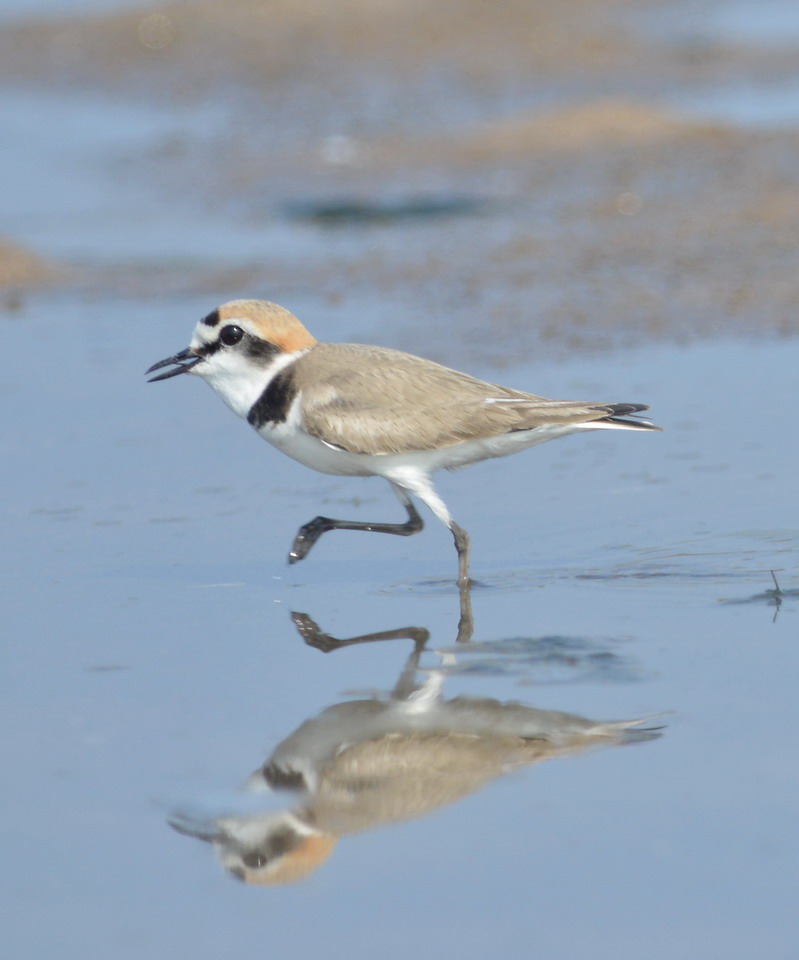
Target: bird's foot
[[307, 537]]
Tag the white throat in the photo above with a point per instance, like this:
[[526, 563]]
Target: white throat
[[238, 381]]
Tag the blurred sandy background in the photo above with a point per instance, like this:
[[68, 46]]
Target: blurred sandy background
[[541, 174]]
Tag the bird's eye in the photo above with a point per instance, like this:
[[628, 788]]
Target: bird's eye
[[230, 334], [253, 860]]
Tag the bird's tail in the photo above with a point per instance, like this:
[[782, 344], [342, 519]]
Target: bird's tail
[[620, 414], [623, 732]]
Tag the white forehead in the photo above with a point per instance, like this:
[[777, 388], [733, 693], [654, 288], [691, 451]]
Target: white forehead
[[204, 334]]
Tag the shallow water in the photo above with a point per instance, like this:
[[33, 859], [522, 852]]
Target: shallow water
[[154, 661]]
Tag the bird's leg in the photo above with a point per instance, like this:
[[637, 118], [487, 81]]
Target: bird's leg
[[312, 531], [423, 488], [464, 547]]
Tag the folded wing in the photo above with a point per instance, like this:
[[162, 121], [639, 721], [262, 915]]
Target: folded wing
[[374, 400]]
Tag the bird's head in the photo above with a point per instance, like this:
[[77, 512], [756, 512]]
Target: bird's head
[[238, 348]]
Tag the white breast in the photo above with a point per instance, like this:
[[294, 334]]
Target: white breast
[[290, 438]]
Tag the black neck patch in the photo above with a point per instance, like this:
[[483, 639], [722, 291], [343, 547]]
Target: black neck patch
[[273, 404], [280, 779], [212, 319]]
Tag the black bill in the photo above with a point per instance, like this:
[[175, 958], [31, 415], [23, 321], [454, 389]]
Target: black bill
[[183, 361]]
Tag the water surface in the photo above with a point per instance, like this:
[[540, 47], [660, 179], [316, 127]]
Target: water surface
[[153, 659]]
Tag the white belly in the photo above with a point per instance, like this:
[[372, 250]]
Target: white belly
[[291, 439], [316, 454]]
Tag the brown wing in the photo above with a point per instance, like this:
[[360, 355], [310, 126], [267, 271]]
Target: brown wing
[[374, 400]]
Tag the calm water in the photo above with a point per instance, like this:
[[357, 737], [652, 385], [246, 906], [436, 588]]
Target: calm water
[[153, 663]]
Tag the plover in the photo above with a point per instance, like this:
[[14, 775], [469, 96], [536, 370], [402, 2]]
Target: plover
[[355, 410]]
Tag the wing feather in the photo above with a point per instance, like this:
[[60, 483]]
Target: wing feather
[[374, 400]]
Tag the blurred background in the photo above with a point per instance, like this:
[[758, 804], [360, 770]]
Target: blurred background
[[577, 174], [591, 198]]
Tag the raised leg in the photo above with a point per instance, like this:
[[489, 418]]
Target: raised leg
[[312, 531]]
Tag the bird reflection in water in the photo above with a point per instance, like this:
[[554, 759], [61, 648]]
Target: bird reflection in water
[[363, 764]]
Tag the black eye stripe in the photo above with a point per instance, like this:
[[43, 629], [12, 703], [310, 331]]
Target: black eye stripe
[[261, 351], [208, 349]]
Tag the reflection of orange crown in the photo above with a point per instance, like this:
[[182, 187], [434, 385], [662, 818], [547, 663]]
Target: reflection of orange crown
[[296, 865]]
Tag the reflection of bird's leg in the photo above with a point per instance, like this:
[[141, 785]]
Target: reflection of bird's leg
[[421, 698], [466, 621], [314, 636], [406, 685]]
